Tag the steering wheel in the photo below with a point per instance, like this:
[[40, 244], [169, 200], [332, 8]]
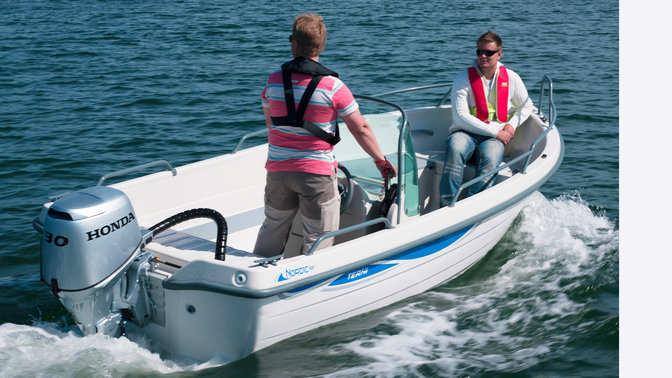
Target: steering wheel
[[345, 189]]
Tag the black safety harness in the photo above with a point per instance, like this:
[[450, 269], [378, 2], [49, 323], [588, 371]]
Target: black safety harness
[[295, 116]]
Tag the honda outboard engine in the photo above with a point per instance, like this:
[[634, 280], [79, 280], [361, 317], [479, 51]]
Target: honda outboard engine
[[92, 259]]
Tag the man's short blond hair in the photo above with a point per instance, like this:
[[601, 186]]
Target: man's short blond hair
[[490, 36], [310, 33]]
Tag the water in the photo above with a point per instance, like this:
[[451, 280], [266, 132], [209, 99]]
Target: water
[[88, 88]]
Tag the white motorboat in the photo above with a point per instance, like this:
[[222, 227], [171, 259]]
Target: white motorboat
[[168, 256]]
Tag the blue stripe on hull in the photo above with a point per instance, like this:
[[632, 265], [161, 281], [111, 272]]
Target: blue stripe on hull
[[414, 253], [431, 247]]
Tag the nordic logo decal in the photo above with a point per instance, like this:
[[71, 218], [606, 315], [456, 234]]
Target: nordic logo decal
[[290, 273]]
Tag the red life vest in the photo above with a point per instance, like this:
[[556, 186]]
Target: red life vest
[[482, 111]]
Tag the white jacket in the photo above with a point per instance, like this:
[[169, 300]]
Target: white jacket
[[462, 98]]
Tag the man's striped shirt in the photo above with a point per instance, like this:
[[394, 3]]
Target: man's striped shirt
[[293, 148]]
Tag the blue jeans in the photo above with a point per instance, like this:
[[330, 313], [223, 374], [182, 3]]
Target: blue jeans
[[460, 147]]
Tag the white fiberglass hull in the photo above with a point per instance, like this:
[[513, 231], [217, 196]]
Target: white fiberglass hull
[[229, 327]]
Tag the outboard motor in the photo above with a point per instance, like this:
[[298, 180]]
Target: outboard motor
[[92, 259]]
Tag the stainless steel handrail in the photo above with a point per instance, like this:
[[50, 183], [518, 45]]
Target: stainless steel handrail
[[349, 229], [401, 150], [369, 180], [123, 172], [551, 116], [137, 168], [481, 177], [551, 104], [443, 100], [246, 136], [413, 89]]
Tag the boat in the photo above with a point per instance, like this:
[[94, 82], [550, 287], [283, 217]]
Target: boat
[[167, 256]]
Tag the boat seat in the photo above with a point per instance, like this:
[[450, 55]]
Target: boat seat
[[362, 208], [175, 249], [430, 170], [199, 235]]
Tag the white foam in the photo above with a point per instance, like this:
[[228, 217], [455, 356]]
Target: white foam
[[44, 350], [511, 319]]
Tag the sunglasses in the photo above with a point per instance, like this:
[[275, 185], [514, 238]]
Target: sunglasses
[[479, 52]]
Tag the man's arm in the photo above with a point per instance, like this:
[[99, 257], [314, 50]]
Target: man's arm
[[520, 100], [267, 116], [522, 108], [364, 136], [506, 133]]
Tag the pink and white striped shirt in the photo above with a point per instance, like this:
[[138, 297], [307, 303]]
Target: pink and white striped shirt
[[292, 148]]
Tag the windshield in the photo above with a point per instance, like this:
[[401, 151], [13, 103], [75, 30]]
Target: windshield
[[386, 127]]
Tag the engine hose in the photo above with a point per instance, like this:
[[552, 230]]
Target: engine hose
[[222, 229]]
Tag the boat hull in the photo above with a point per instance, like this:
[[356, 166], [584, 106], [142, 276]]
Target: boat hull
[[238, 326], [195, 288]]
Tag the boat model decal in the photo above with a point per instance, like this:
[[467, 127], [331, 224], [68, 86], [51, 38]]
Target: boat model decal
[[360, 273], [293, 272], [431, 247]]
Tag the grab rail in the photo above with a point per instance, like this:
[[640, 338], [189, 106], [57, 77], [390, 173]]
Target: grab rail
[[349, 229], [551, 116], [527, 155], [416, 89], [443, 99], [246, 136], [265, 262], [137, 168], [492, 172], [369, 180], [551, 104], [401, 151]]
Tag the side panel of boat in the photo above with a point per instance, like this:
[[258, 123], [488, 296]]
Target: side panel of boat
[[380, 284], [203, 324], [231, 184]]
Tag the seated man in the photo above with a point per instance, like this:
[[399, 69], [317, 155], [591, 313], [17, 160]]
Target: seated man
[[489, 103]]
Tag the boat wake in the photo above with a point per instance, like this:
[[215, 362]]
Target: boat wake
[[45, 349], [543, 288], [531, 298]]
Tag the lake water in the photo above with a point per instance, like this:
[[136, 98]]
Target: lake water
[[88, 88]]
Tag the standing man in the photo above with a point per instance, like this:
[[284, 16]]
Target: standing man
[[489, 102], [301, 104]]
